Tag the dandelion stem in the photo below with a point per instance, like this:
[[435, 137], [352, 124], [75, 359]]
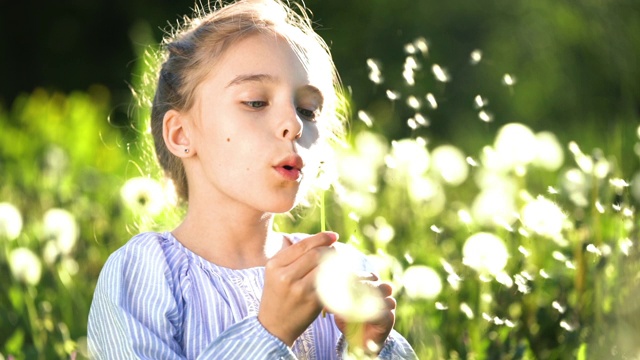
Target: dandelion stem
[[323, 215]]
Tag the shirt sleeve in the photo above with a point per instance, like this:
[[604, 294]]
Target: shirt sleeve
[[136, 313]]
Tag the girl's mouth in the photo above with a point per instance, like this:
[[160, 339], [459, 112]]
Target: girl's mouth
[[289, 172]]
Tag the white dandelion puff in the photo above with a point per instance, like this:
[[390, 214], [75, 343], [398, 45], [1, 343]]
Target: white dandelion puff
[[543, 217], [25, 266], [61, 226], [10, 221], [449, 163], [485, 252], [421, 282], [549, 154], [143, 195]]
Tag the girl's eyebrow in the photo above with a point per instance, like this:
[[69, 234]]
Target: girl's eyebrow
[[266, 78]]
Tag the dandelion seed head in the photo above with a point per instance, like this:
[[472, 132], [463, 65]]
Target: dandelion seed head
[[61, 226], [10, 221], [431, 100], [515, 144], [543, 217], [411, 157], [342, 293], [476, 56], [421, 282], [356, 170], [429, 192], [549, 154], [440, 73], [491, 204], [485, 252], [143, 195], [449, 163], [25, 266]]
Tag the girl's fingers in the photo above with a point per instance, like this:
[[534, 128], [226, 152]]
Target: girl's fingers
[[293, 252]]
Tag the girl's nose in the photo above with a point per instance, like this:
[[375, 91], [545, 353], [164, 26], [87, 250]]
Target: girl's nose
[[291, 126]]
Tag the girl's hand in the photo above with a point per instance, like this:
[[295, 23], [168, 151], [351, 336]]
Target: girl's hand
[[370, 336], [289, 301]]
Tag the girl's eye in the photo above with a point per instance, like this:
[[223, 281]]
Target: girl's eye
[[256, 104], [308, 114]]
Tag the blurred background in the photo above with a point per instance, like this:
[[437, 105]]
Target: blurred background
[[491, 167]]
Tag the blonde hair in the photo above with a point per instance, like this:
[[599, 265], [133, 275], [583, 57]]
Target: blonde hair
[[192, 50]]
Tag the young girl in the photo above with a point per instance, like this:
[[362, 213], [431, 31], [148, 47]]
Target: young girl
[[245, 99]]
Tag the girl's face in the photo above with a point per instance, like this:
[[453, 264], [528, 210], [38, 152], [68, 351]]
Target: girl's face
[[254, 127]]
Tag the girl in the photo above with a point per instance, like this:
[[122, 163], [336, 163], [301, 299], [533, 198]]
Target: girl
[[245, 99]]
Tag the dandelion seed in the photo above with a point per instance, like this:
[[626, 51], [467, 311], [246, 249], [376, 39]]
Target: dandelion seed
[[485, 252], [471, 161], [625, 246], [558, 256], [544, 274], [466, 309], [410, 49], [449, 162], [10, 221], [413, 102], [616, 207], [422, 44], [412, 124], [553, 191], [476, 56], [408, 257], [375, 73], [504, 279], [454, 280], [480, 102], [543, 217], [353, 216], [432, 101], [60, 225], [392, 95], [498, 321], [627, 212], [509, 323], [508, 79], [421, 282], [410, 62], [601, 169], [25, 266], [440, 73], [436, 229], [599, 207], [441, 306], [593, 249], [565, 325], [487, 317], [570, 265], [365, 118], [421, 120], [524, 251], [522, 231], [408, 76], [384, 232], [556, 305]]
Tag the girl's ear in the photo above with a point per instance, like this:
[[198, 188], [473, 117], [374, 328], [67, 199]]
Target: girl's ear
[[176, 134]]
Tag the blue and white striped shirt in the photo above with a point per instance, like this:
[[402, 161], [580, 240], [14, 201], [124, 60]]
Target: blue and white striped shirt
[[155, 299]]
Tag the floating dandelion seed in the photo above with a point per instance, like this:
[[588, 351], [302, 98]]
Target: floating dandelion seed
[[365, 118], [593, 249], [413, 102], [485, 116], [410, 49], [353, 216], [408, 257], [599, 207], [432, 101], [565, 325], [551, 190], [440, 73], [544, 274], [466, 309], [625, 246], [412, 124], [441, 306], [558, 256], [422, 44], [570, 265], [342, 293], [485, 252], [421, 282], [471, 161], [375, 74], [392, 95], [556, 305], [436, 229], [449, 163], [421, 120], [10, 221], [504, 279], [479, 102], [619, 184], [476, 56], [25, 266], [465, 216], [543, 217], [508, 80], [60, 225], [524, 251]]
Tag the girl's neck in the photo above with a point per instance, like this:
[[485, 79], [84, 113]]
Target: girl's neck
[[230, 239]]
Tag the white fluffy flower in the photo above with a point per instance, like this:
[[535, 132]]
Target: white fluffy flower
[[144, 195], [421, 282], [485, 252], [25, 266], [10, 221], [515, 144], [450, 163], [543, 217], [342, 293], [60, 225]]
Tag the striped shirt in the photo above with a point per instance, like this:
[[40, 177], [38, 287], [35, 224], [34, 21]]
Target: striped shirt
[[155, 299]]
